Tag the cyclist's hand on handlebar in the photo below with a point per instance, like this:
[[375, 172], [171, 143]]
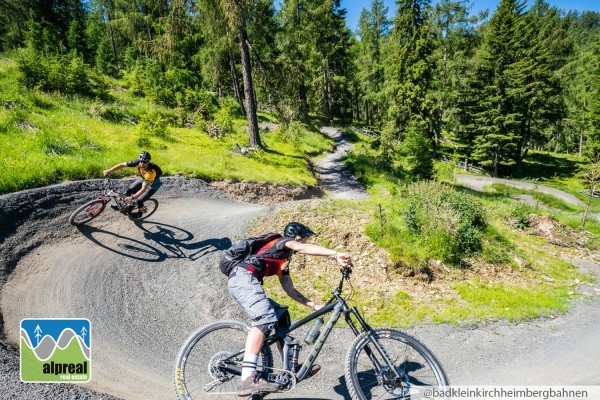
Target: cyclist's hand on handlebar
[[344, 260], [106, 172]]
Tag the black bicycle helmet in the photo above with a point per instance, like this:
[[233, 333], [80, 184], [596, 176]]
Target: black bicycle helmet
[[294, 229], [145, 156]]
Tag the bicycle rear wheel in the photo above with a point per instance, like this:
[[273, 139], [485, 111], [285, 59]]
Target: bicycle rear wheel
[[87, 212], [415, 364], [150, 206], [197, 369]]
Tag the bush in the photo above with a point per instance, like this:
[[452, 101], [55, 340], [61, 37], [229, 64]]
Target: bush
[[519, 216], [155, 124], [66, 74], [291, 133], [447, 223], [201, 102]]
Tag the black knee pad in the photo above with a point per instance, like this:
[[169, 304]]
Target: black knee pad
[[266, 328]]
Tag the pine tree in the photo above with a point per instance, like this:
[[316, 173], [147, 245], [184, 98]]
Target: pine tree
[[455, 42], [373, 29], [409, 72], [236, 13], [498, 120]]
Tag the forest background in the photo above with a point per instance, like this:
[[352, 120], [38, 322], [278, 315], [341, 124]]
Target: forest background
[[491, 88], [515, 93]]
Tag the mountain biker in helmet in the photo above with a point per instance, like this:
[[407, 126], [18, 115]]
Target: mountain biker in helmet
[[245, 287], [146, 186]]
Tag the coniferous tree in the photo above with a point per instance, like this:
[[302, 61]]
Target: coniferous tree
[[593, 112], [263, 29], [455, 42], [294, 48], [373, 29], [236, 14], [498, 121], [409, 72], [534, 87]]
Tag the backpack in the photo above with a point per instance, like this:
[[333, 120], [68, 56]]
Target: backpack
[[243, 249], [157, 169]]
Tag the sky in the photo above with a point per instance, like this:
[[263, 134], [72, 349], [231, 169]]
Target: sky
[[354, 7]]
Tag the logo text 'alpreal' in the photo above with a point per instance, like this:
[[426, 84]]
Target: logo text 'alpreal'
[[55, 350]]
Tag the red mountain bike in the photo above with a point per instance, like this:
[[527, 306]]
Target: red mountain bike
[[93, 208]]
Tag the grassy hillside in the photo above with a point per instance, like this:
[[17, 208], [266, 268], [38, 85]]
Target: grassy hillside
[[431, 251], [47, 138]]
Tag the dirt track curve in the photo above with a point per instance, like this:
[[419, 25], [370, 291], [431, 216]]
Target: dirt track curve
[[146, 286]]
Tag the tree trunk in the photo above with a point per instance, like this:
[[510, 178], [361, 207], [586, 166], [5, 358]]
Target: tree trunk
[[303, 102], [496, 163], [112, 36], [328, 93], [236, 82], [249, 92]]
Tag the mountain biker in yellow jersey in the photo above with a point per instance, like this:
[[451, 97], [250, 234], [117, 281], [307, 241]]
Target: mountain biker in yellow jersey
[[146, 186], [245, 286]]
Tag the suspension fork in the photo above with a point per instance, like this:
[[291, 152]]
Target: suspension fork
[[371, 335]]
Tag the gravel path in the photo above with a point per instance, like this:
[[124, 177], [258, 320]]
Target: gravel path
[[478, 183], [337, 181], [146, 286]]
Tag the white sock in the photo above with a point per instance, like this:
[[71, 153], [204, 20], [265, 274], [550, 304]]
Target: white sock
[[249, 364]]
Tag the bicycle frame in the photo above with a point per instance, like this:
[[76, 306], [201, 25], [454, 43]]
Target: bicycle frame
[[110, 191], [337, 306]]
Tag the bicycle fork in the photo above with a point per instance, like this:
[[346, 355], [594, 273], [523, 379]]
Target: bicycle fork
[[388, 364]]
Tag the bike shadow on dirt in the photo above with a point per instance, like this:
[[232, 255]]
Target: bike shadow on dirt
[[162, 241], [123, 245], [178, 242]]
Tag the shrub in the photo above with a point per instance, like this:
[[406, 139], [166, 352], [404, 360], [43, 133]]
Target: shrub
[[202, 102], [156, 124], [519, 216], [291, 133], [66, 74], [447, 223]]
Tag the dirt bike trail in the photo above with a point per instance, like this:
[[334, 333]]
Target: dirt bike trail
[[146, 286]]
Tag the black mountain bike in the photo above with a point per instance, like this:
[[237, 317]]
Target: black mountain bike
[[93, 208], [381, 363]]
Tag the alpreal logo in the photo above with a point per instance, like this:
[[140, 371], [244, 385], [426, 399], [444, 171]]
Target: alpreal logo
[[55, 350]]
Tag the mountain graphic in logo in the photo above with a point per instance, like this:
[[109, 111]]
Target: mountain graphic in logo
[[55, 350]]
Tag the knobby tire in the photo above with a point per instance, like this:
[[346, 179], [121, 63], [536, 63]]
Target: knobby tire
[[193, 365], [87, 212], [410, 357]]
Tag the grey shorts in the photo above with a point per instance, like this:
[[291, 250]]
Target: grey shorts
[[248, 293]]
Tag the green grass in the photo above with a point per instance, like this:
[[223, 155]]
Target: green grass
[[47, 138], [543, 199]]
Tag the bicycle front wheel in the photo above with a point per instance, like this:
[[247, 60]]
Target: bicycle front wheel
[[198, 371], [87, 212], [416, 368]]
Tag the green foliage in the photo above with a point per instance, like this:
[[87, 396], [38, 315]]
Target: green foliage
[[202, 102], [291, 133], [55, 145], [436, 220], [416, 149], [153, 123], [49, 72], [520, 214]]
